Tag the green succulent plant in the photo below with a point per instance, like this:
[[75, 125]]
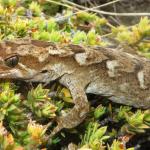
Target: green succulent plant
[[11, 109], [35, 8], [117, 145], [136, 122], [44, 35], [51, 25], [122, 111], [40, 104], [134, 35], [9, 3], [99, 111], [79, 37], [2, 10], [94, 137], [21, 11], [21, 27], [55, 36], [6, 140], [93, 38]]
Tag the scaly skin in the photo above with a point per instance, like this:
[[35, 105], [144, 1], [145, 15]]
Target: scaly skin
[[123, 77]]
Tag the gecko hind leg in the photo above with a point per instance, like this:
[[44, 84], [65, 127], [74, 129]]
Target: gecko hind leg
[[78, 113], [71, 119]]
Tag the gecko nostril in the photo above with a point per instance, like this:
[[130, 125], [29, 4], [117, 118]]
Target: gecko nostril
[[44, 71], [12, 61]]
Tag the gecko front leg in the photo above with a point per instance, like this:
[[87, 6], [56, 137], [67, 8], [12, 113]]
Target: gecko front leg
[[78, 113]]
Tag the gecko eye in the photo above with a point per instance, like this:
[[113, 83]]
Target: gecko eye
[[12, 61]]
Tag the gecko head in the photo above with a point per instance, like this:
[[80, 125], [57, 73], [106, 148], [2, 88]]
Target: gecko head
[[28, 60], [17, 61], [14, 66]]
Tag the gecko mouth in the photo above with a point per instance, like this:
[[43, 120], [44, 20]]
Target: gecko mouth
[[5, 74], [17, 74], [13, 73]]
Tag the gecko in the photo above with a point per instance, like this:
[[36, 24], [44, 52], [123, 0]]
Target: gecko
[[123, 77]]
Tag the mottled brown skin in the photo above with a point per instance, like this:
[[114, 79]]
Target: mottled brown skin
[[123, 77]]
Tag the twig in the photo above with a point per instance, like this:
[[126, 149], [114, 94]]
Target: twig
[[105, 12], [106, 35], [109, 3], [61, 4], [119, 14], [100, 6], [100, 11]]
